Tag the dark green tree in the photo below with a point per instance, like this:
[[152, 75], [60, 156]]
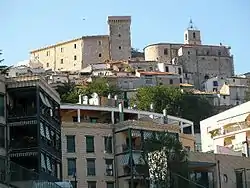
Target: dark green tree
[[102, 87], [69, 92], [177, 103], [165, 160]]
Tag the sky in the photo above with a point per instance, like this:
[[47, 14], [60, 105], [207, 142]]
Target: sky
[[31, 24]]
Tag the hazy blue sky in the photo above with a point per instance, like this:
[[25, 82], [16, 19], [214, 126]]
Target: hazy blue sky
[[29, 24]]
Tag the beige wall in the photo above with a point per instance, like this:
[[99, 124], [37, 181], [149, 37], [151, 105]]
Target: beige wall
[[155, 52], [52, 57], [80, 130]]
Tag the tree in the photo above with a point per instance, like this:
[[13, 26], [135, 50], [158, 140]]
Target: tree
[[165, 160], [69, 92], [102, 87], [1, 53], [136, 53], [177, 103], [3, 68]]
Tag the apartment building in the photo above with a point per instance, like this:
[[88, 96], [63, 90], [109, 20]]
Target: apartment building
[[90, 141], [227, 132], [30, 132], [73, 55]]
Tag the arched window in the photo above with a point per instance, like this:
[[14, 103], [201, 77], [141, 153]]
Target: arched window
[[171, 81], [194, 35]]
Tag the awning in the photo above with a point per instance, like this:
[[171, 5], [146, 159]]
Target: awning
[[43, 163], [48, 164], [42, 132], [47, 132], [233, 119], [44, 100], [47, 101]]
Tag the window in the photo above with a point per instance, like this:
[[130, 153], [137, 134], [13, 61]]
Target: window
[[47, 53], [215, 89], [61, 61], [2, 105], [109, 167], [75, 46], [119, 35], [239, 179], [180, 80], [100, 43], [90, 145], [207, 52], [215, 83], [91, 184], [91, 167], [2, 136], [108, 144], [110, 185], [179, 71], [100, 55], [219, 53], [167, 70], [165, 51], [74, 57], [186, 36], [71, 166], [61, 49], [194, 35], [224, 97], [171, 81], [47, 64], [188, 52], [120, 47], [70, 143]]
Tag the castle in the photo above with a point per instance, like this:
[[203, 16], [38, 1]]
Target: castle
[[199, 62]]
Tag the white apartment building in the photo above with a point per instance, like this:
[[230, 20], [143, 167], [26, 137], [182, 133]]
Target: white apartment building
[[229, 129]]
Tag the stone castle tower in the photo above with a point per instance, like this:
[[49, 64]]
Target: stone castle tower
[[119, 37]]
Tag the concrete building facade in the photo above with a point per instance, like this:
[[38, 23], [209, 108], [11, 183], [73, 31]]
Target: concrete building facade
[[76, 54], [89, 142]]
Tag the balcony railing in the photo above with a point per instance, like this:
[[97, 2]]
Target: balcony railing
[[126, 147], [25, 142], [233, 128]]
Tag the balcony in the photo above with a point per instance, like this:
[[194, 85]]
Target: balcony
[[23, 142]]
